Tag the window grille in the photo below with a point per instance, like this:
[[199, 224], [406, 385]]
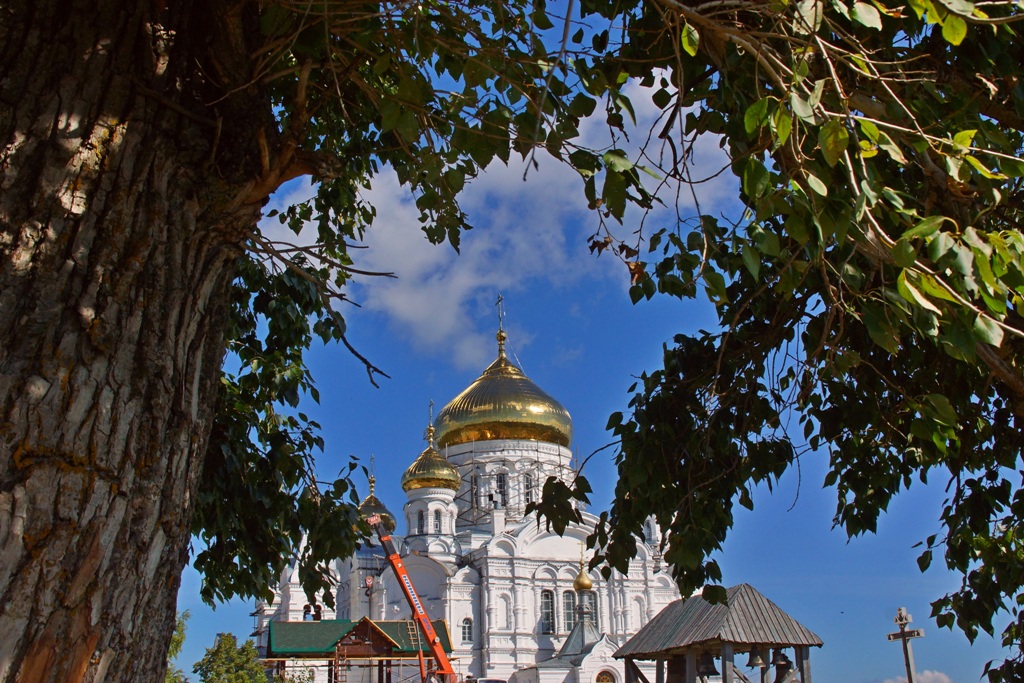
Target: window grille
[[547, 612]]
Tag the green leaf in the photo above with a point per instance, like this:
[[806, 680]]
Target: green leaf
[[797, 228], [690, 39], [614, 193], [752, 260], [954, 29], [962, 7], [783, 126], [988, 331], [714, 594], [860, 63], [833, 138], [616, 160], [1012, 167], [756, 116], [927, 227], [910, 293], [904, 254], [980, 168], [931, 287], [583, 105], [944, 410], [808, 16], [755, 178], [541, 20], [661, 98], [715, 283], [815, 184], [880, 329], [866, 15], [964, 138], [925, 560], [867, 149], [801, 108]]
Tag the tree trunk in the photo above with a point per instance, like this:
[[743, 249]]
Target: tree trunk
[[119, 229]]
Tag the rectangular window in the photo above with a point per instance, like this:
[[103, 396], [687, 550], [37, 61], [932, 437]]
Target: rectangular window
[[527, 488], [547, 612], [437, 521], [500, 490], [569, 609]]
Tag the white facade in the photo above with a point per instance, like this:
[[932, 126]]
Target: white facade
[[503, 583]]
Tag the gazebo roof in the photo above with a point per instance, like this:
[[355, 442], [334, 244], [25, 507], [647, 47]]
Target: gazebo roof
[[746, 619]]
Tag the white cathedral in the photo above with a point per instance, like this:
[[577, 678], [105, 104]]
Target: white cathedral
[[514, 596]]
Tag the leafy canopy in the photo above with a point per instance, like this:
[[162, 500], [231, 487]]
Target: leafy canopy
[[229, 662], [434, 92], [871, 288], [174, 674]]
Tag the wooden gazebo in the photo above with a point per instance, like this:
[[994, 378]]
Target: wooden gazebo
[[688, 636]]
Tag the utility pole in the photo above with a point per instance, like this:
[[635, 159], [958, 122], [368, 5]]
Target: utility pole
[[902, 620]]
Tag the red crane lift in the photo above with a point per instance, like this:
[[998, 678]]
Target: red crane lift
[[443, 673]]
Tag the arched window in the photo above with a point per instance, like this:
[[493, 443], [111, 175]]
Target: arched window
[[527, 488], [318, 613], [649, 532], [307, 613], [605, 677], [547, 612], [467, 630], [437, 521], [421, 523], [474, 490], [569, 609]]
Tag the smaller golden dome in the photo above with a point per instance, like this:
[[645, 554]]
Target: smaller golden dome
[[372, 505], [431, 470], [583, 581]]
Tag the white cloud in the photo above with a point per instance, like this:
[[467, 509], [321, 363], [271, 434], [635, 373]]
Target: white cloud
[[530, 233], [923, 677]]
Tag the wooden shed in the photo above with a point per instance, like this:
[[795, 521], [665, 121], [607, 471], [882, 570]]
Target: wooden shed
[[692, 637]]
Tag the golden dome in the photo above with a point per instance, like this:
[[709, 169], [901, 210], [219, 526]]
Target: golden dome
[[503, 404], [372, 505], [431, 470], [583, 581]]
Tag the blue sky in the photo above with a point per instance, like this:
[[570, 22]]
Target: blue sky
[[575, 333]]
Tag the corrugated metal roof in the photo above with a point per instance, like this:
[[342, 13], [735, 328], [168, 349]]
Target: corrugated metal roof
[[302, 637], [747, 618], [406, 634], [320, 637]]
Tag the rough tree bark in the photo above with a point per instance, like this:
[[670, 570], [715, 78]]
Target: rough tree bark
[[124, 201]]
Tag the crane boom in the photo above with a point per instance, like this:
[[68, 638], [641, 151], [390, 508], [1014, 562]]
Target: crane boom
[[444, 670]]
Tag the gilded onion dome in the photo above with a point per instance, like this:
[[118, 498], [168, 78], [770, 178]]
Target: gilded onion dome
[[503, 404], [372, 505], [583, 582], [431, 470]]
